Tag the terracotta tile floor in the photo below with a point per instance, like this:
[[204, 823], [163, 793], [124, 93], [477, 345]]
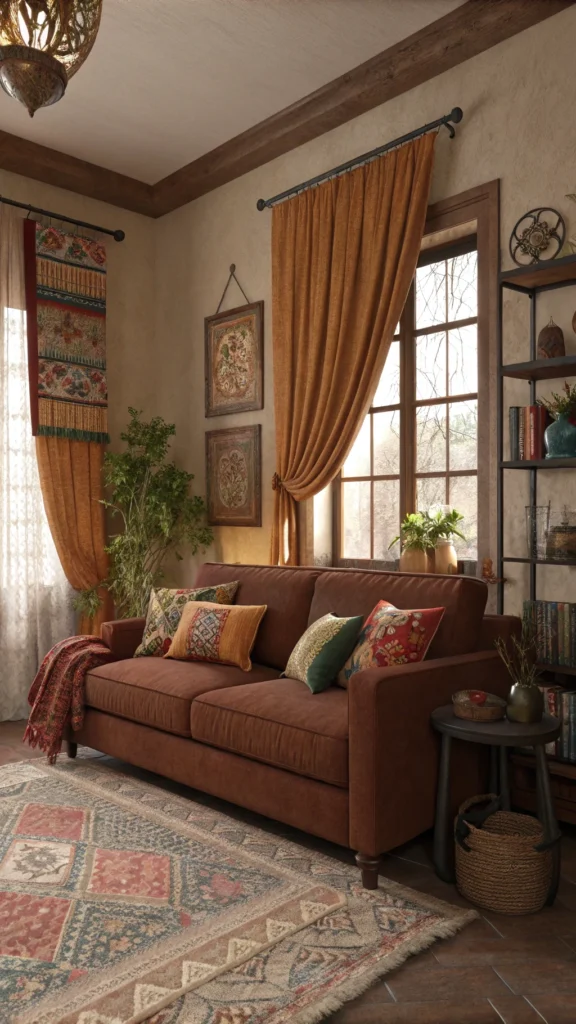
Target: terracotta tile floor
[[499, 969]]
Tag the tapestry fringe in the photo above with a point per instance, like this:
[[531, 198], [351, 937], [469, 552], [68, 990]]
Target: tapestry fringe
[[64, 277], [77, 422]]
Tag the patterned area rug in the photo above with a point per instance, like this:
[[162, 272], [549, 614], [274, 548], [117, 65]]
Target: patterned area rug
[[122, 903]]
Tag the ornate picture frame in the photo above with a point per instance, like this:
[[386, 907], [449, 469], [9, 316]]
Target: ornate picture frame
[[234, 360], [233, 476]]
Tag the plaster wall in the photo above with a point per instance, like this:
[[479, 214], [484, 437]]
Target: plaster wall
[[518, 126]]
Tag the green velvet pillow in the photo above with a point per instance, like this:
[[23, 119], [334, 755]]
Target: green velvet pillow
[[323, 650]]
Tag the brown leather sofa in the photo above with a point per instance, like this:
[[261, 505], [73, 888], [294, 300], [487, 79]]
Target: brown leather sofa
[[357, 766]]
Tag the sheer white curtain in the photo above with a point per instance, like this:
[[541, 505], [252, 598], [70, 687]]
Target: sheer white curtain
[[35, 597]]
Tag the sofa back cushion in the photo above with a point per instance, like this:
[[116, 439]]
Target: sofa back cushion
[[286, 591], [352, 592]]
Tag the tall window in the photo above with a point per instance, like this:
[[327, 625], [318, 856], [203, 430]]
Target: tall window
[[35, 598], [418, 445]]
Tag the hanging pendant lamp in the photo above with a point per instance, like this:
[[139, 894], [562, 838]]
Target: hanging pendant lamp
[[42, 44]]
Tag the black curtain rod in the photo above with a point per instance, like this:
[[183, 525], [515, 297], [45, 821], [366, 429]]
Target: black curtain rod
[[454, 117], [118, 236]]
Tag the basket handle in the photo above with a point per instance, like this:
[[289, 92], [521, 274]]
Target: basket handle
[[468, 817]]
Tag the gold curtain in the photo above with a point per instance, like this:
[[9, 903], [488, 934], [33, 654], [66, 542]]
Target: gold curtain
[[71, 481], [343, 257]]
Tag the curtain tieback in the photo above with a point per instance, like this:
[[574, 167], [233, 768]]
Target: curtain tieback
[[277, 484]]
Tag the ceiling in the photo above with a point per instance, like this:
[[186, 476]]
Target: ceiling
[[169, 80]]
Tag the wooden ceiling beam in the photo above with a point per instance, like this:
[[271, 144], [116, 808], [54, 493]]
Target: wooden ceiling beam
[[468, 30], [475, 26], [64, 171]]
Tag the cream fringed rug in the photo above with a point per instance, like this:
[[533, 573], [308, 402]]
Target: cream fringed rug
[[122, 903]]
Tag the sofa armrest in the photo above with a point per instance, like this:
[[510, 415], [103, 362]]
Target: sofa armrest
[[494, 626], [123, 636], [393, 749]]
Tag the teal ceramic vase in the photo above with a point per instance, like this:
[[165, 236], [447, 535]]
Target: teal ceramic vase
[[560, 438]]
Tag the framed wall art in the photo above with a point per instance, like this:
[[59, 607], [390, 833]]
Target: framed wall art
[[233, 471], [234, 360]]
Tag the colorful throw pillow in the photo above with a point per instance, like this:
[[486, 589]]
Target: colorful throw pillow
[[164, 612], [212, 632], [322, 651], [392, 636]]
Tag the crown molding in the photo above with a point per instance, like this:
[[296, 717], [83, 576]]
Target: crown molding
[[475, 26]]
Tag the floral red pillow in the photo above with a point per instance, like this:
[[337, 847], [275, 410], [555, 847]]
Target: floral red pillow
[[392, 636]]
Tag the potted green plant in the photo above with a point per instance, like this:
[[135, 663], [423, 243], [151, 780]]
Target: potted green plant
[[443, 527], [415, 541], [159, 516], [560, 436], [525, 701]]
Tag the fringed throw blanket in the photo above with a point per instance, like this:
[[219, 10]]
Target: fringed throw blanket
[[66, 317], [57, 693]]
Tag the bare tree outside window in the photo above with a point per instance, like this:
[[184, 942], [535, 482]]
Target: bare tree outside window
[[418, 444]]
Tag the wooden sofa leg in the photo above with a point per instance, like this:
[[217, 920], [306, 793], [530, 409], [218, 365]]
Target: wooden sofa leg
[[369, 868], [71, 748]]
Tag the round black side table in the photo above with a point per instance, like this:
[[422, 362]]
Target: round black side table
[[499, 736]]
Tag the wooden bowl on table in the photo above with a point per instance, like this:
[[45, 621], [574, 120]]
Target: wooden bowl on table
[[478, 706]]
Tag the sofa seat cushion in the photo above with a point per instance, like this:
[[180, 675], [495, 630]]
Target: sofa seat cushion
[[159, 693], [281, 723]]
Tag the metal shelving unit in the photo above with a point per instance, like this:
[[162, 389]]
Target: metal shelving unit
[[529, 281], [532, 281]]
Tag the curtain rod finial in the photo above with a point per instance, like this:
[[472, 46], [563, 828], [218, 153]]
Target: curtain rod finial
[[456, 115], [119, 236], [261, 204]]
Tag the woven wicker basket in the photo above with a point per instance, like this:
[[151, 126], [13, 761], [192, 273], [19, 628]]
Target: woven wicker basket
[[500, 869], [491, 711]]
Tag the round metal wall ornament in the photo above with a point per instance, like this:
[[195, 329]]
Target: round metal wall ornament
[[539, 231]]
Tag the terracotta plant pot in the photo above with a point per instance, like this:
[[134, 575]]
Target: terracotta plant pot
[[445, 558], [413, 560]]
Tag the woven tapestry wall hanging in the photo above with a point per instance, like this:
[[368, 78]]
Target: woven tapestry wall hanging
[[66, 320]]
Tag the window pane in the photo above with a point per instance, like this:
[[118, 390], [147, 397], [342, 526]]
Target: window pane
[[463, 360], [358, 461], [431, 366], [386, 518], [430, 438], [431, 295], [461, 284], [430, 491], [464, 497], [388, 390], [463, 435], [356, 520], [386, 426]]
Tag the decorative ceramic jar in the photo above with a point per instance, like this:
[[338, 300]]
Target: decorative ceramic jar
[[414, 560], [445, 558], [560, 438], [525, 704]]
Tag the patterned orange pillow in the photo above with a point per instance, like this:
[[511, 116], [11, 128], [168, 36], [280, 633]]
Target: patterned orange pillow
[[216, 632], [392, 636]]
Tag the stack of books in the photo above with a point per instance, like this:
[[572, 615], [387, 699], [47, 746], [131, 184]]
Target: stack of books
[[562, 704], [554, 625], [527, 426]]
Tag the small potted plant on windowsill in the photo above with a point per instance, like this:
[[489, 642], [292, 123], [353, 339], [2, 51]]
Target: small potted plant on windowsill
[[443, 526], [415, 541]]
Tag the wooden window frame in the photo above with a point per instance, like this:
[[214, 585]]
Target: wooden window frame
[[448, 223]]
